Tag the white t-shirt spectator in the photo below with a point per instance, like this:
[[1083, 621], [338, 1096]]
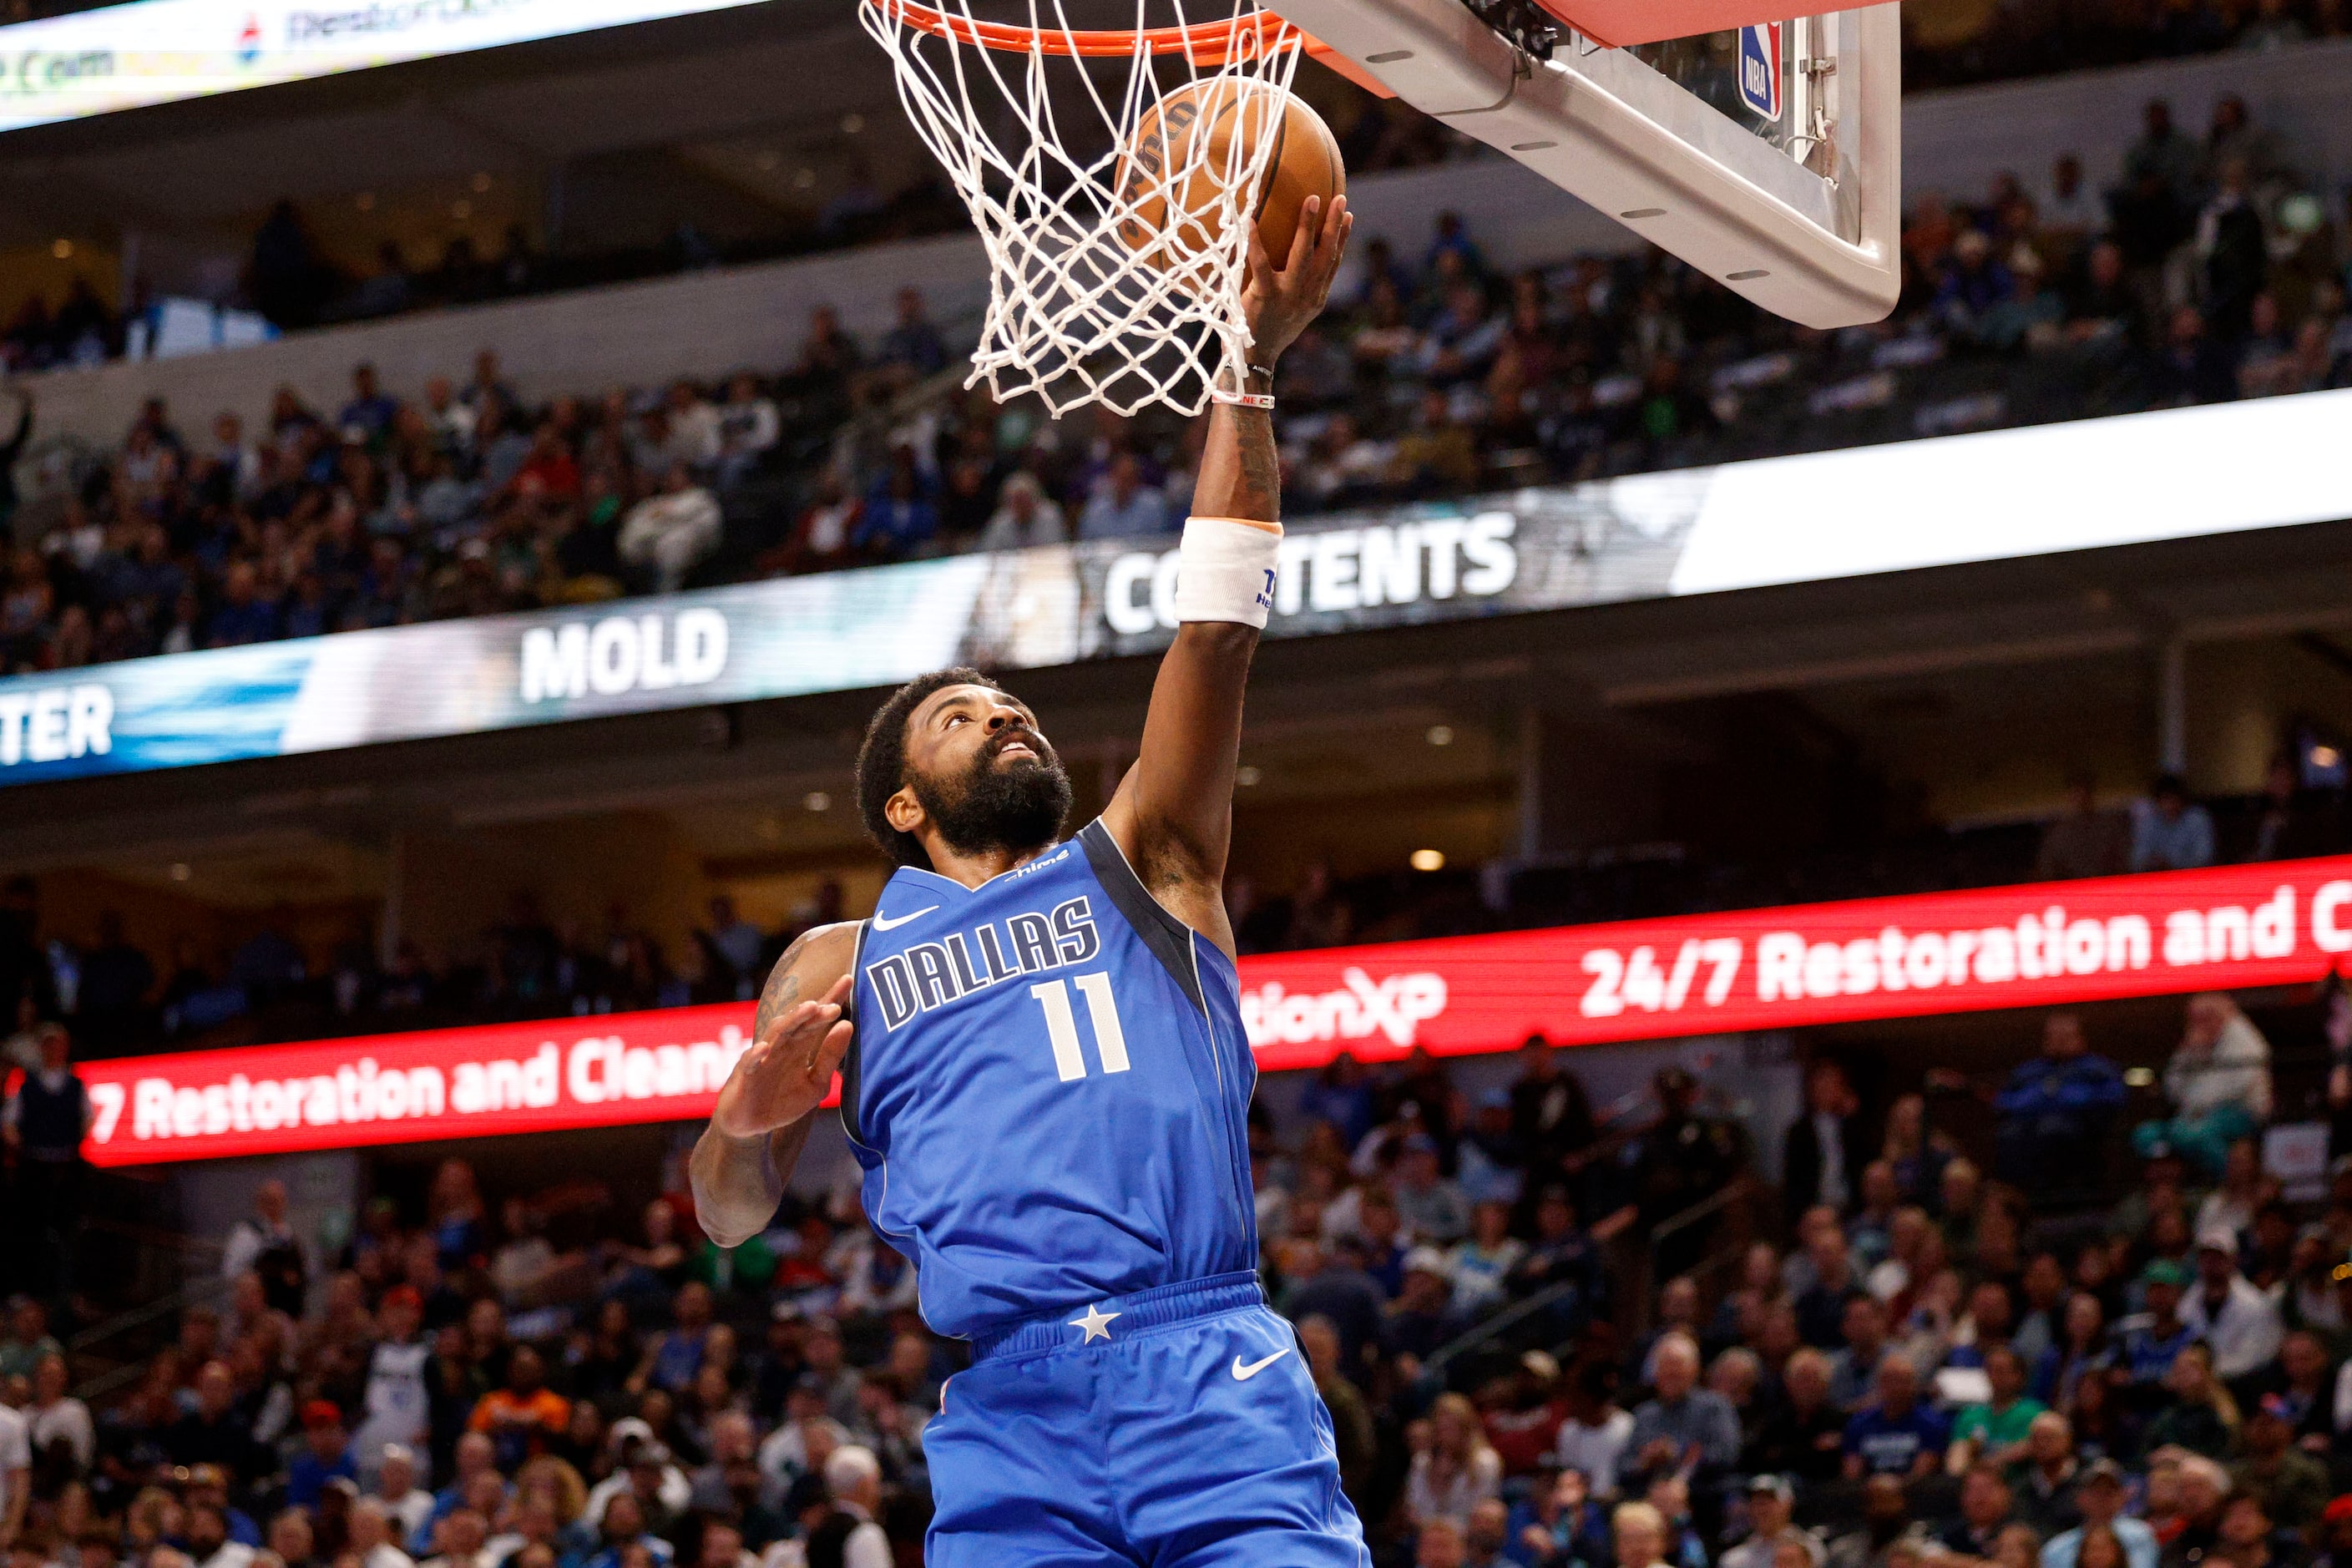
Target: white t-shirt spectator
[[2243, 1334], [232, 1554], [1595, 1452], [671, 532], [16, 1463], [412, 1510], [784, 1457], [248, 1238], [2236, 1071], [398, 1403], [866, 1546], [68, 1419], [696, 433], [748, 429]]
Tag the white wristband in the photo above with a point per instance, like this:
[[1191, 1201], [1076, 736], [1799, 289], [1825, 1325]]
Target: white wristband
[[1225, 571]]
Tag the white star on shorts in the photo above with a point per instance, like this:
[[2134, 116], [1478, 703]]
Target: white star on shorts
[[1097, 1323]]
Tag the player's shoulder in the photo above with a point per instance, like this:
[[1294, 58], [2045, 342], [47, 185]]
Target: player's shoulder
[[821, 955]]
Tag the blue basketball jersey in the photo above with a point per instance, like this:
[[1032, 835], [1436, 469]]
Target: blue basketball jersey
[[1049, 1088]]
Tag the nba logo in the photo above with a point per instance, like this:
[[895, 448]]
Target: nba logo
[[248, 41], [1759, 69]]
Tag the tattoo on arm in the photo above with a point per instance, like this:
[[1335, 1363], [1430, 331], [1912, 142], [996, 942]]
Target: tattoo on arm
[[1260, 493], [782, 991]]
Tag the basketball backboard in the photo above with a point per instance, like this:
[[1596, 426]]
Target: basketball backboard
[[1767, 153]]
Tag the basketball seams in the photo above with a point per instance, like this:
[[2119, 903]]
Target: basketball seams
[[1272, 163], [1172, 178]]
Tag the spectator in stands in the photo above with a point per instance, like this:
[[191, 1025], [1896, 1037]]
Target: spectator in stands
[[1123, 506], [2200, 1413], [16, 1475], [12, 451], [57, 1425], [2293, 1486], [2231, 248], [900, 520], [855, 1479], [2237, 1319], [1993, 1434], [325, 1456], [1454, 1468], [913, 345], [2169, 831], [288, 280], [1025, 517], [1824, 1151], [1771, 1508], [368, 413], [1895, 1435], [2100, 1494], [117, 983], [671, 530], [525, 1415], [2087, 841], [264, 1244], [213, 1431], [1551, 1115], [2054, 1108], [2219, 1082], [1684, 1426], [750, 428], [207, 1541], [1431, 1206], [42, 1126]]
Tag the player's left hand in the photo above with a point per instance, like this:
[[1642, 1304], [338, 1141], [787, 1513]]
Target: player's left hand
[[1279, 302], [788, 1070]]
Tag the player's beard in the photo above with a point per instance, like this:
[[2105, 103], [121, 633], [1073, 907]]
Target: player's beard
[[993, 808]]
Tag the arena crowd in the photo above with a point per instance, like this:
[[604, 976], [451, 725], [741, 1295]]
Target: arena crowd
[[2213, 270], [1549, 1332]]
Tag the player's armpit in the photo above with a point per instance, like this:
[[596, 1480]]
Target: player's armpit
[[761, 1121]]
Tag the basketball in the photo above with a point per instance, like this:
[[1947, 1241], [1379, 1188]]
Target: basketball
[[1181, 151]]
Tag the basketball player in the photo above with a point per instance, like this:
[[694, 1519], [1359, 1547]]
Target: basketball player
[[1047, 1083]]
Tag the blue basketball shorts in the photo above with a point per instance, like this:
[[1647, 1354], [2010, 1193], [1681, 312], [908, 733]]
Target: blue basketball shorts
[[1178, 1427]]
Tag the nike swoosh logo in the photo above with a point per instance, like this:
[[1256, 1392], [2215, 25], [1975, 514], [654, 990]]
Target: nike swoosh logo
[[881, 924], [1243, 1374]]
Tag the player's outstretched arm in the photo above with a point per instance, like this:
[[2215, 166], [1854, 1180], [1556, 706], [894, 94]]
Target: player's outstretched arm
[[762, 1118], [1173, 816]]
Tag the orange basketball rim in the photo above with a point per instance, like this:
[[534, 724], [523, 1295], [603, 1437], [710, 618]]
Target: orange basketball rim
[[1210, 46]]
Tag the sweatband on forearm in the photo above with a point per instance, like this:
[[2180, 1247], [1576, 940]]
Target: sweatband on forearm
[[1225, 570]]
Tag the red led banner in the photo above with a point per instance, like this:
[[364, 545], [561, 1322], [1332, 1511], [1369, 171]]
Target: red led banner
[[2067, 942]]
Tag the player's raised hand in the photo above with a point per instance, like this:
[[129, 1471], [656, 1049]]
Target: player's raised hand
[[1280, 299], [789, 1069]]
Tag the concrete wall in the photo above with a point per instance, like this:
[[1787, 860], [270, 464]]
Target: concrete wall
[[706, 324]]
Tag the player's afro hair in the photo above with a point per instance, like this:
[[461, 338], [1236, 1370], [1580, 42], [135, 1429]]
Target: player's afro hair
[[882, 760]]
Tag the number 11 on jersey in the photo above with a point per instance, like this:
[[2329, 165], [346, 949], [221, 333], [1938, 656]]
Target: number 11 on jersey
[[1062, 1025]]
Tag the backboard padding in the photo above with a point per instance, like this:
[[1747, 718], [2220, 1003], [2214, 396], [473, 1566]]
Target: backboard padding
[[1621, 23]]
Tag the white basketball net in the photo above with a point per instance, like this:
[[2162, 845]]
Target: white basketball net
[[1038, 149]]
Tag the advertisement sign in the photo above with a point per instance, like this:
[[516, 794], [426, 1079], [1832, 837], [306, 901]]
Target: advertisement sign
[[2055, 945], [162, 51], [2014, 493]]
